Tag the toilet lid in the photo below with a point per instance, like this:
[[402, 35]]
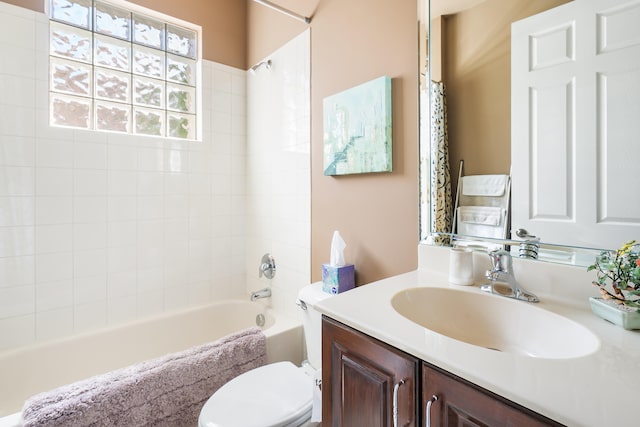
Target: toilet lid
[[270, 396]]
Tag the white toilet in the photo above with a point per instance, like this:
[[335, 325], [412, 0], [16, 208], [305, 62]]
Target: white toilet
[[278, 394]]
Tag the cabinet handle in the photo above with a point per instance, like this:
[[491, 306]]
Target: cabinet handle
[[433, 399], [396, 388]]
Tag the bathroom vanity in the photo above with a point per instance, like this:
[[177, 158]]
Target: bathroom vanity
[[361, 372], [489, 360]]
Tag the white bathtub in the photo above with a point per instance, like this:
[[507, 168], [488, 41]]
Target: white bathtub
[[34, 369]]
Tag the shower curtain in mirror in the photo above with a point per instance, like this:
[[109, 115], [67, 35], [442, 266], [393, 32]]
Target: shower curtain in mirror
[[440, 177]]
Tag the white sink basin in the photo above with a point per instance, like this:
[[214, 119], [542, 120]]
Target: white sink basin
[[495, 322]]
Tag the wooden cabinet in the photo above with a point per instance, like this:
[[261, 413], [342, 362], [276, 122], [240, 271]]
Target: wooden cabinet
[[460, 403], [364, 379]]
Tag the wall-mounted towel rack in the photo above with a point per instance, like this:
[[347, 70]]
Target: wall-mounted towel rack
[[482, 205]]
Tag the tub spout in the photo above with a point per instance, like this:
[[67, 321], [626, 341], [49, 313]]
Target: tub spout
[[262, 293]]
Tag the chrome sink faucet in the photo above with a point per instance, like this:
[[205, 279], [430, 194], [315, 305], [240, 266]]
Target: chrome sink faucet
[[262, 293], [502, 272]]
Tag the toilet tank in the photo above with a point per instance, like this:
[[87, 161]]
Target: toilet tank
[[310, 295]]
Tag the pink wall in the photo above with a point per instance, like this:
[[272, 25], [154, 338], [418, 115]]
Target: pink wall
[[353, 42], [223, 24]]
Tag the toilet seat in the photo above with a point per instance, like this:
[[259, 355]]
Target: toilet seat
[[274, 395]]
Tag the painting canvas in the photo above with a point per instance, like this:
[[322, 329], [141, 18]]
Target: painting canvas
[[357, 129]]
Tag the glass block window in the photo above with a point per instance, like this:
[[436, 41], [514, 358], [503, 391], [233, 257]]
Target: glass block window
[[119, 69]]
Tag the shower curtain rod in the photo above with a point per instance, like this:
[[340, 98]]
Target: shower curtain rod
[[287, 12]]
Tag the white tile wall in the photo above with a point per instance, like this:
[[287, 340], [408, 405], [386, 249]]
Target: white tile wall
[[102, 228], [278, 185]]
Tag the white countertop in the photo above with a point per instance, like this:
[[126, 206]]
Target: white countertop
[[599, 389]]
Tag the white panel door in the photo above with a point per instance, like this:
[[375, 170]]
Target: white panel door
[[575, 123]]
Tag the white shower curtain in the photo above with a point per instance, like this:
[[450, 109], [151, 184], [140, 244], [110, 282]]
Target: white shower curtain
[[440, 176]]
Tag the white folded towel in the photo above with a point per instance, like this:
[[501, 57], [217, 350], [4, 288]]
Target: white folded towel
[[480, 221], [484, 185], [485, 215]]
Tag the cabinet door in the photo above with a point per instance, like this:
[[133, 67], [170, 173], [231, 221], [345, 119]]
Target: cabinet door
[[461, 403], [359, 377]]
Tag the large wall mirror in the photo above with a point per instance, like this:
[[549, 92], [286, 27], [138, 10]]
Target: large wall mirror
[[467, 45]]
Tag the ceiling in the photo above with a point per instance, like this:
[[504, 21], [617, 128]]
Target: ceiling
[[448, 7]]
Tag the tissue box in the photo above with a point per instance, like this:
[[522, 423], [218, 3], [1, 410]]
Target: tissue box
[[338, 279]]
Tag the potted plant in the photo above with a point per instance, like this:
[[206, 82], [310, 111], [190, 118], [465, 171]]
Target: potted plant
[[618, 279]]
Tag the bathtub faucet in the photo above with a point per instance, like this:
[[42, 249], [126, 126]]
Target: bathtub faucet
[[262, 293]]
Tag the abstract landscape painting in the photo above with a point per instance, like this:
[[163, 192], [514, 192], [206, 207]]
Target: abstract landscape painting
[[357, 129]]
